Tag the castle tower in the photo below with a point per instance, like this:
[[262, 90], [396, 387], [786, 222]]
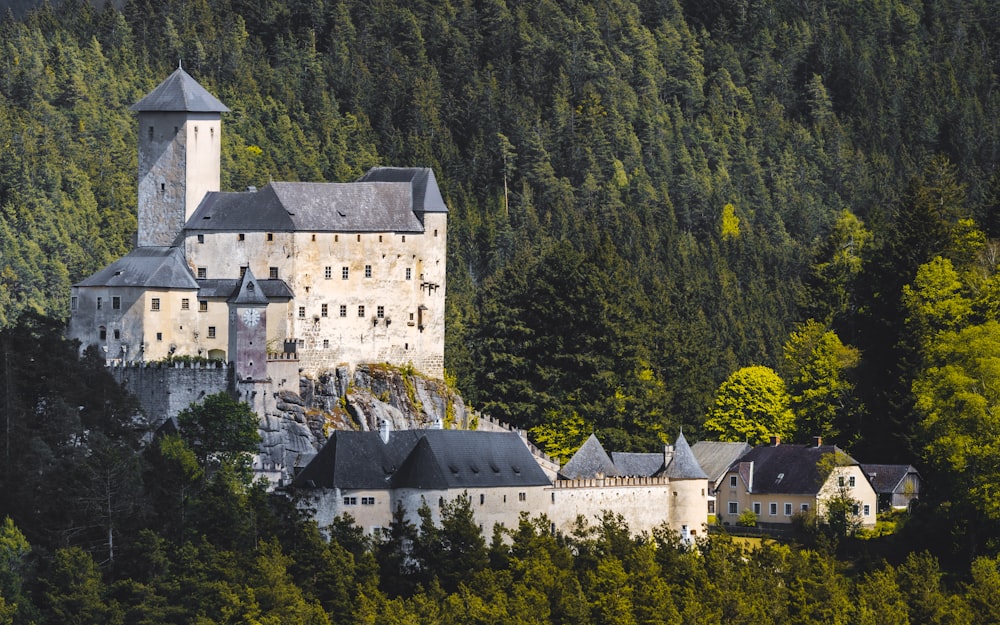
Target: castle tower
[[248, 330], [689, 491], [180, 138]]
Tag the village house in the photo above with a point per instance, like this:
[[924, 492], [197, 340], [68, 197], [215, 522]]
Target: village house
[[897, 485]]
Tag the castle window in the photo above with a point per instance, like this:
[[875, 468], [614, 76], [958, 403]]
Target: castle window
[[202, 273], [327, 272], [272, 273], [202, 305], [380, 312], [313, 237], [732, 481], [302, 312], [185, 304], [116, 304], [361, 311], [522, 496], [150, 132], [300, 342], [163, 187], [336, 238], [241, 237], [99, 303], [368, 271], [270, 236], [102, 332], [326, 343], [155, 304], [72, 303], [201, 238], [772, 509], [211, 332], [367, 501], [323, 309], [344, 272], [118, 334], [350, 501], [343, 310], [380, 238], [359, 238], [435, 231], [159, 336], [409, 273]]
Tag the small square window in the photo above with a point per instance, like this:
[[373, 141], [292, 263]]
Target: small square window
[[522, 496], [118, 335], [732, 478], [326, 343], [323, 309], [409, 273], [368, 271], [272, 273], [202, 305], [404, 238], [211, 332], [201, 238], [734, 507], [300, 342], [350, 501], [327, 272], [270, 236], [103, 333], [380, 312], [788, 509], [155, 304], [361, 311], [344, 272], [804, 507], [116, 303], [202, 273], [185, 304], [241, 237], [302, 312], [343, 310]]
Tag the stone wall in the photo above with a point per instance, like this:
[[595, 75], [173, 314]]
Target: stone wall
[[164, 390]]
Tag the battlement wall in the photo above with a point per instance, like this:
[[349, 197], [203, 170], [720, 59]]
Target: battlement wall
[[164, 389]]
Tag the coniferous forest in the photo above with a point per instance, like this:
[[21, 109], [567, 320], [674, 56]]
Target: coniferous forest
[[663, 214]]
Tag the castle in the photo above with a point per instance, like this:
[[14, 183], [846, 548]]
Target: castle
[[318, 273]]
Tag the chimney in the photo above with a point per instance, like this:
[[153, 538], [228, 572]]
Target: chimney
[[775, 440], [817, 441], [383, 431], [668, 454]]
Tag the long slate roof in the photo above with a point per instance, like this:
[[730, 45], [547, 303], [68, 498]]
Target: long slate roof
[[149, 267], [590, 461], [886, 477], [180, 93], [683, 465], [310, 207], [632, 464], [226, 288], [426, 459], [788, 469], [716, 457], [426, 194]]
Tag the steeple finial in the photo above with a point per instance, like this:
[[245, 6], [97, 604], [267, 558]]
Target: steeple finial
[[180, 65]]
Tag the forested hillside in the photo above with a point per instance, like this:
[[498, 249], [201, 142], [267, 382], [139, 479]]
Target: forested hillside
[[646, 197]]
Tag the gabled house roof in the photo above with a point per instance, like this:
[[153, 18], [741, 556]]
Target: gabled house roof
[[225, 288], [248, 291], [683, 465], [426, 194], [787, 469], [424, 459], [589, 462], [887, 478], [715, 457], [180, 93], [149, 267]]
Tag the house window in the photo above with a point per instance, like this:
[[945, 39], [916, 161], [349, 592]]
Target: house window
[[302, 312], [850, 481], [343, 310], [350, 501], [241, 237], [868, 509], [522, 496], [202, 273], [270, 236], [855, 509], [367, 501], [155, 304], [361, 311], [368, 271], [323, 310], [272, 273], [788, 509], [202, 305], [201, 238], [159, 336], [326, 343], [345, 272], [327, 272], [409, 273], [380, 312], [118, 335], [98, 303], [185, 304], [116, 303], [72, 303], [732, 481], [756, 508], [772, 509], [211, 332], [734, 507], [804, 507], [103, 332]]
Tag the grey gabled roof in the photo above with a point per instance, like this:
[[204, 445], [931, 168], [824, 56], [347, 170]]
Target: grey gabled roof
[[790, 469], [224, 288], [310, 207], [426, 194], [358, 460], [885, 478], [450, 459], [715, 457], [249, 291], [180, 93], [683, 465], [590, 461], [149, 267], [637, 464]]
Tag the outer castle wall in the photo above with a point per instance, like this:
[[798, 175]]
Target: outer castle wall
[[164, 390]]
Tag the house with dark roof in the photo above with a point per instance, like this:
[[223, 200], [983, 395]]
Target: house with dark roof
[[715, 458], [779, 481], [897, 485], [351, 272]]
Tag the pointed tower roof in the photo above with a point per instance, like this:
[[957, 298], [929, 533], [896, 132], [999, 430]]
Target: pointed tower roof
[[590, 461], [684, 466], [180, 92], [249, 292]]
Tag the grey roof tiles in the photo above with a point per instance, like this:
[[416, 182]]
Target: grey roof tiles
[[590, 461], [149, 267], [683, 465], [179, 93]]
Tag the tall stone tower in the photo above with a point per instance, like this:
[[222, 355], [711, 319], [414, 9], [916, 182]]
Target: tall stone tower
[[180, 138], [248, 330]]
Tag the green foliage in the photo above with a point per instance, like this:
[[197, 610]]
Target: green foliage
[[220, 430], [751, 405]]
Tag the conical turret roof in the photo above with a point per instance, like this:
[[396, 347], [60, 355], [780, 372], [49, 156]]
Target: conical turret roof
[[180, 92], [684, 466]]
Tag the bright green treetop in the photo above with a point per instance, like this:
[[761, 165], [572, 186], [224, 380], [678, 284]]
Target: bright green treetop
[[751, 405]]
